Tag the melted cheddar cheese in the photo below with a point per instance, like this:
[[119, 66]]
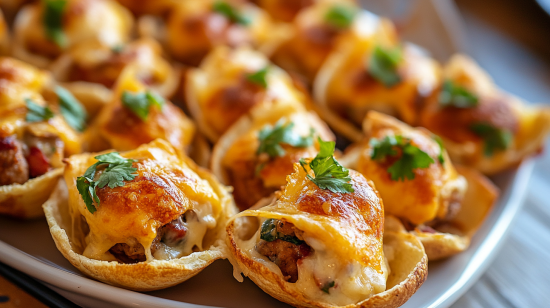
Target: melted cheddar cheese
[[219, 92], [95, 62], [18, 82], [254, 177], [527, 125], [165, 188], [344, 230], [311, 32], [123, 130], [194, 28], [346, 87], [435, 192], [104, 20]]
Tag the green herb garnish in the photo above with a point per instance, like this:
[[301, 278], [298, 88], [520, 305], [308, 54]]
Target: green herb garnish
[[441, 148], [230, 12], [53, 21], [37, 113], [140, 103], [259, 77], [496, 139], [271, 139], [456, 96], [75, 115], [411, 156], [340, 16], [329, 174], [383, 65], [269, 233], [327, 286], [118, 169]]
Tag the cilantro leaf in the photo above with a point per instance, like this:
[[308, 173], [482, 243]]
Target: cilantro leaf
[[271, 139], [383, 65], [72, 111], [37, 113], [411, 156], [329, 174], [496, 139], [118, 169], [340, 16], [454, 95], [441, 148], [230, 12], [141, 102], [53, 21], [259, 77], [269, 233], [327, 286]]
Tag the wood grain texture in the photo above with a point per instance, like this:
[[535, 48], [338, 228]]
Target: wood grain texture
[[12, 296]]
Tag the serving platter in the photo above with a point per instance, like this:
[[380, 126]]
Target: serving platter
[[28, 247]]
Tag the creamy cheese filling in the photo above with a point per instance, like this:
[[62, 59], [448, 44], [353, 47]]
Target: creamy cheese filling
[[197, 222], [322, 276]]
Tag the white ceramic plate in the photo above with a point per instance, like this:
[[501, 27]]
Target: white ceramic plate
[[28, 246]]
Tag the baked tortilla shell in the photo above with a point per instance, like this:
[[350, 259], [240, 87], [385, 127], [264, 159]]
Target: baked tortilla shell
[[406, 257], [142, 276], [25, 200]]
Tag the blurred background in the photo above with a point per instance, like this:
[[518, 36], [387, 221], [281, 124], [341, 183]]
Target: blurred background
[[510, 38]]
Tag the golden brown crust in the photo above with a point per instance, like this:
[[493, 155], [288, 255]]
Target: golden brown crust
[[25, 200], [408, 265]]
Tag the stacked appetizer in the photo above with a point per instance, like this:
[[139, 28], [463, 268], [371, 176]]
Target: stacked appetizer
[[89, 136]]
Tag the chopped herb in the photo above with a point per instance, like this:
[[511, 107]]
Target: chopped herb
[[140, 103], [271, 139], [118, 169], [71, 109], [117, 48], [496, 139], [327, 286], [53, 21], [411, 156], [269, 233], [329, 174], [340, 16], [259, 77], [230, 12], [383, 65], [456, 96], [37, 113], [441, 148]]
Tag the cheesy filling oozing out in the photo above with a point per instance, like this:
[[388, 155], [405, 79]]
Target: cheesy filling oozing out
[[197, 222], [322, 275]]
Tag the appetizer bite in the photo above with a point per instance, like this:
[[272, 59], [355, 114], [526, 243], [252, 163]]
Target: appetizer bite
[[259, 151], [319, 30], [442, 205], [43, 30], [481, 125], [195, 27], [143, 220], [231, 83], [322, 241], [138, 115], [34, 137], [90, 69], [374, 72]]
